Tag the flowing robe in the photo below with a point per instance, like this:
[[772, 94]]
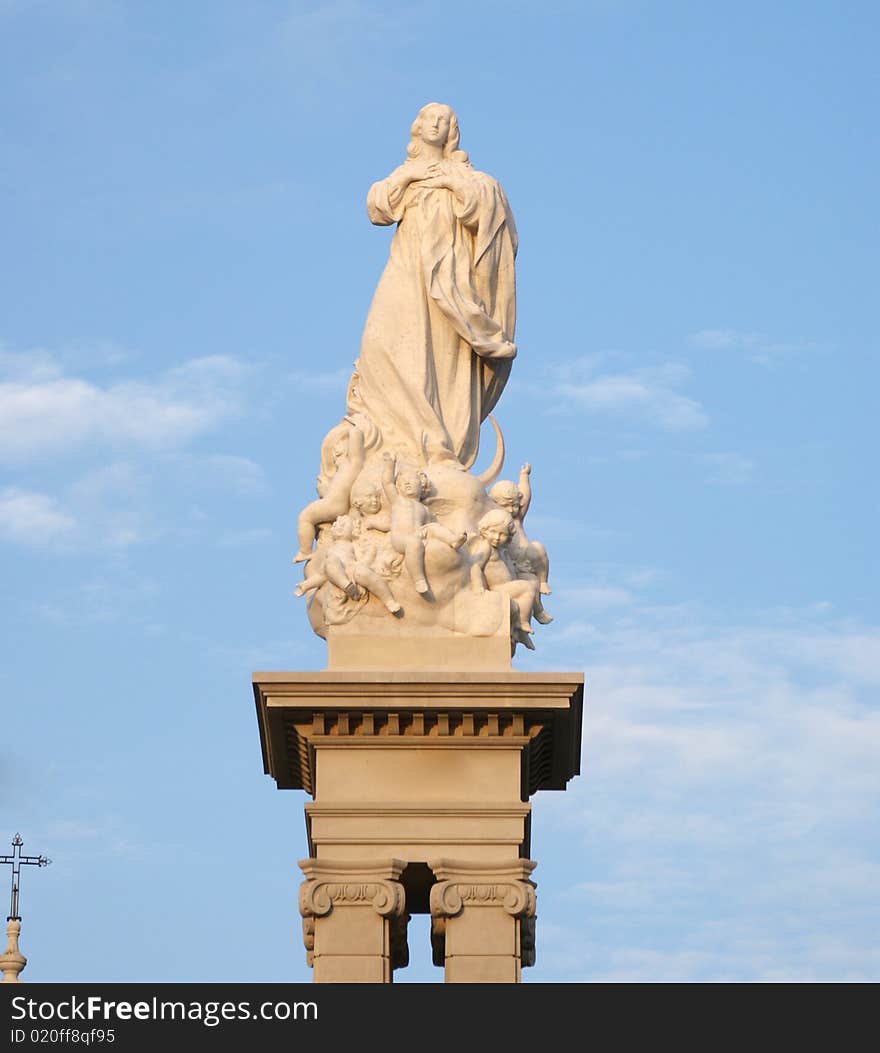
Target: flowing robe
[[438, 341]]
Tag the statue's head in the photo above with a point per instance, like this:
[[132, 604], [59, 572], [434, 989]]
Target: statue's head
[[412, 483], [366, 497], [437, 124], [496, 527], [507, 495], [343, 528]]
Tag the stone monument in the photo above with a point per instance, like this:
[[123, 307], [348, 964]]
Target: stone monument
[[418, 744]]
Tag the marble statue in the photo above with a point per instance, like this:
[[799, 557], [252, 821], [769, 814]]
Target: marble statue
[[493, 569], [528, 556], [411, 522], [403, 537], [438, 341], [343, 567]]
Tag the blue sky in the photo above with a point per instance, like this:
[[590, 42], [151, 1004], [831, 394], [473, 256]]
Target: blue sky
[[185, 268]]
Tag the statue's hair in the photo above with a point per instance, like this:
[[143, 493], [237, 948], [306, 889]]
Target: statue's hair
[[503, 491], [450, 147], [497, 517], [344, 521]]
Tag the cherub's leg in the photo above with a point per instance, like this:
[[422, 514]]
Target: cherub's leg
[[336, 572], [518, 632], [414, 557], [310, 518], [371, 581], [305, 533], [307, 584], [524, 594], [541, 563], [540, 615], [444, 534]]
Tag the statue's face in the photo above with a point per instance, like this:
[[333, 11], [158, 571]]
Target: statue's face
[[369, 503], [496, 535], [342, 529], [410, 484], [435, 126], [510, 503]]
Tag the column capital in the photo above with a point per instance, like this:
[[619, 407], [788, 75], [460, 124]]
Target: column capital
[[474, 884], [334, 882]]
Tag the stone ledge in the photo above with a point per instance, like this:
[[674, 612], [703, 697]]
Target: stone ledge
[[300, 713]]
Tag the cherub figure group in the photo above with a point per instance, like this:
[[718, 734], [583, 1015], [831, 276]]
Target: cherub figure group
[[368, 529]]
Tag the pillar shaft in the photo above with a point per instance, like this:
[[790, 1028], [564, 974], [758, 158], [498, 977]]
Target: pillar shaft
[[482, 920], [354, 920]]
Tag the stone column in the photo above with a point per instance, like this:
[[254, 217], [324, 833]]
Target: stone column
[[12, 961], [354, 919], [482, 920]]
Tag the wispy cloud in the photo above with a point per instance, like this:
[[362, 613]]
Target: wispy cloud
[[721, 763], [333, 381], [29, 518], [728, 469], [44, 412], [760, 347], [646, 395]]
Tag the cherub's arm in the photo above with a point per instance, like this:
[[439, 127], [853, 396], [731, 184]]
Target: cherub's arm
[[525, 488], [380, 521], [356, 447], [480, 553], [388, 486], [351, 465]]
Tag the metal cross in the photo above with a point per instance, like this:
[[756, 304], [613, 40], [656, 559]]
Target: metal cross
[[16, 860]]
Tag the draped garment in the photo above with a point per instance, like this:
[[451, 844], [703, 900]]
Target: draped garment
[[438, 343]]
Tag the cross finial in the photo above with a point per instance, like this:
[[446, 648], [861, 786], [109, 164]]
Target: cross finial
[[15, 861]]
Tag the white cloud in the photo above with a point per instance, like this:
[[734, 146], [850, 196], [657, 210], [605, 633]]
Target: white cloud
[[761, 348], [728, 469], [334, 381], [645, 395], [44, 412], [730, 789], [30, 518]]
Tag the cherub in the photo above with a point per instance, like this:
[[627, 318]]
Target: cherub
[[529, 557], [347, 460], [343, 568], [493, 569], [411, 523], [366, 501]]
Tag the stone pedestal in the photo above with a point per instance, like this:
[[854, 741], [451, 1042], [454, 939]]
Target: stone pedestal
[[420, 783]]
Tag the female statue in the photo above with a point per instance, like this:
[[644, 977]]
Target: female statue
[[438, 341]]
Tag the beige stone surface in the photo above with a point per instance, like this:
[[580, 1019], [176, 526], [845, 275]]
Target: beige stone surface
[[356, 914], [12, 961], [481, 913], [420, 783]]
